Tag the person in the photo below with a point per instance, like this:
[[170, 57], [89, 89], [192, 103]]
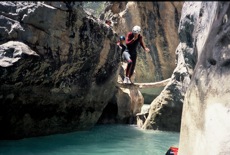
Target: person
[[124, 50], [172, 151], [133, 39]]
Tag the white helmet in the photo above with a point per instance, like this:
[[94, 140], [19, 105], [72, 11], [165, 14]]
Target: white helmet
[[136, 29]]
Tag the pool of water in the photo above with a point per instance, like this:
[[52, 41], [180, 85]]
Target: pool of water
[[101, 140]]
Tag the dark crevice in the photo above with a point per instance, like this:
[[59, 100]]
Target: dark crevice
[[226, 63], [212, 61]]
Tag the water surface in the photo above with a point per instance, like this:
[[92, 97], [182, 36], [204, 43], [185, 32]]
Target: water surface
[[101, 140]]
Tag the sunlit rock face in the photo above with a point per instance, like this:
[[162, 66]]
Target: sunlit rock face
[[165, 111], [129, 102], [159, 22], [122, 109], [58, 67], [205, 119]]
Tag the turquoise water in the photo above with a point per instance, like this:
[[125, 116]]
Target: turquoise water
[[101, 140]]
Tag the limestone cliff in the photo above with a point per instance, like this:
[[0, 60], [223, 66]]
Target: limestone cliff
[[205, 120], [58, 67], [159, 22]]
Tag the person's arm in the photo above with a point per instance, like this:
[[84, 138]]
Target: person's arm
[[119, 45], [143, 44], [129, 38]]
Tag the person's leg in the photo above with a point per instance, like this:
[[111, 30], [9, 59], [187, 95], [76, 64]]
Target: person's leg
[[132, 66], [126, 56], [128, 71]]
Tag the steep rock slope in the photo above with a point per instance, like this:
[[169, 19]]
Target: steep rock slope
[[58, 68], [205, 119]]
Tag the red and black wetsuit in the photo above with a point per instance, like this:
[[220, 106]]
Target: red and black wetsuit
[[132, 47]]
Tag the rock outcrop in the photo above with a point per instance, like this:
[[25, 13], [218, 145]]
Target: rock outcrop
[[129, 101], [205, 120], [125, 105], [58, 68]]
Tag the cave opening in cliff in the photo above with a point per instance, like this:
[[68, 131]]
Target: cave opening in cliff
[[109, 114]]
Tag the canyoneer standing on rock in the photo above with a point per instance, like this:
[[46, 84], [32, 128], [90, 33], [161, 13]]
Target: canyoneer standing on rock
[[132, 40]]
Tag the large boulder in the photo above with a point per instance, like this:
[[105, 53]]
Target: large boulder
[[124, 106], [58, 68]]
